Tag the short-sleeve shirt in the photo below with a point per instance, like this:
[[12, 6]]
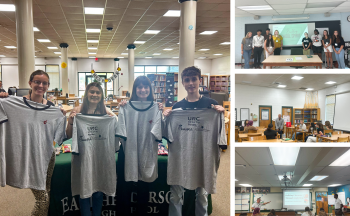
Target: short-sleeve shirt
[[316, 40], [140, 126], [306, 42], [326, 41], [248, 45], [93, 160], [2, 90], [194, 138], [270, 134], [27, 132], [203, 102], [338, 45], [257, 205], [278, 41], [337, 203]]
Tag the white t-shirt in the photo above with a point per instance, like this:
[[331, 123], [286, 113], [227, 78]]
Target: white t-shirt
[[27, 132], [337, 203], [316, 40], [307, 214], [257, 205]]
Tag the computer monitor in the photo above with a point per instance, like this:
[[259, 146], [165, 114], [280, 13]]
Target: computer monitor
[[22, 92], [11, 91], [238, 123]]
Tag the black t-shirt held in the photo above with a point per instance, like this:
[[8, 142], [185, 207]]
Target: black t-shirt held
[[202, 103]]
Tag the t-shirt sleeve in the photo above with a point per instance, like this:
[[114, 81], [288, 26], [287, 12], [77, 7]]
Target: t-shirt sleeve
[[117, 139], [60, 130], [167, 132], [121, 127], [222, 141], [75, 144], [3, 115], [157, 127]]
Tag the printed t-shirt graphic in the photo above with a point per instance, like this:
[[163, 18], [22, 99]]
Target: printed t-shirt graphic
[[93, 160], [139, 123], [27, 132], [194, 154]]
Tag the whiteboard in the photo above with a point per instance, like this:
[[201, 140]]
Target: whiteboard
[[242, 201], [275, 198]]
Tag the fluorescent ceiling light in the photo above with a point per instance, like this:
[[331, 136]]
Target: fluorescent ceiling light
[[35, 29], [92, 41], [334, 185], [120, 57], [290, 18], [246, 185], [44, 40], [280, 177], [176, 57], [342, 160], [202, 57], [139, 42], [92, 57], [94, 48], [330, 82], [225, 43], [218, 54], [172, 13], [151, 32], [2, 56], [10, 47], [307, 185], [203, 49], [297, 77], [124, 54], [52, 47], [157, 53], [168, 49], [261, 7], [148, 57], [92, 10], [285, 156], [309, 89], [59, 53], [208, 32], [318, 178], [93, 30], [281, 86], [7, 7], [92, 53]]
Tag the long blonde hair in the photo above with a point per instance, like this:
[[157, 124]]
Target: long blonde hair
[[277, 32], [246, 36]]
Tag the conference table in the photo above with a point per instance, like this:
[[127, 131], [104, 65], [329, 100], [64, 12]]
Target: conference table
[[62, 202], [333, 138], [304, 132], [293, 61], [244, 136]]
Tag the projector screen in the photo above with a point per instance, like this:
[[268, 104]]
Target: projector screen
[[293, 33], [296, 199], [341, 112]]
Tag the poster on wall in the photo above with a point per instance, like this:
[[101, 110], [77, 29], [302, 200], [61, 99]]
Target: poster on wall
[[265, 114]]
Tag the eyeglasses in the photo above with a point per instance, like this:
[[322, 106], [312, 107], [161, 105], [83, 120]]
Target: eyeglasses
[[37, 82]]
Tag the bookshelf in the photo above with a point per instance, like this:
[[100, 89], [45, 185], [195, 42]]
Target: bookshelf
[[159, 84], [176, 86], [306, 115], [220, 83]]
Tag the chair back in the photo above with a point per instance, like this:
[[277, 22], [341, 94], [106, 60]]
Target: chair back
[[254, 138], [328, 131], [252, 131], [336, 132], [278, 135], [343, 139], [254, 134], [71, 95]]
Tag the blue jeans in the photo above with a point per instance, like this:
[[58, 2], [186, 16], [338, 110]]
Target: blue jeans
[[246, 56], [340, 58], [298, 133], [97, 200]]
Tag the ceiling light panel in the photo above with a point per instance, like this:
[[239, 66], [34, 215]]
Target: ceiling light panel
[[342, 160], [284, 156], [172, 13], [92, 10]]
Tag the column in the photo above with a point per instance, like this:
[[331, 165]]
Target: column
[[64, 68], [25, 41], [72, 77], [116, 80], [187, 40], [131, 64]]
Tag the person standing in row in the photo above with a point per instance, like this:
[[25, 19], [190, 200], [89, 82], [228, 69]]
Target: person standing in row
[[327, 45], [269, 47], [306, 42], [266, 36], [246, 49], [258, 47], [316, 43], [278, 41], [338, 46]]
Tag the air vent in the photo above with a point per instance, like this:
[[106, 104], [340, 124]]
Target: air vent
[[246, 82], [302, 88]]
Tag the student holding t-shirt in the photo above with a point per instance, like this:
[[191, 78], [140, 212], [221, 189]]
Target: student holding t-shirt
[[338, 46], [191, 79], [306, 41]]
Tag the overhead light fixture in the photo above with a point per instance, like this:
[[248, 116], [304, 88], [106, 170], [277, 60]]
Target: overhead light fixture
[[7, 7], [120, 57], [318, 178], [297, 77], [250, 8], [168, 49], [176, 57], [202, 57], [148, 57], [35, 29], [334, 185], [151, 32], [92, 57], [93, 30], [2, 56], [172, 13], [342, 160], [92, 10], [246, 185], [203, 49], [307, 185], [218, 54], [284, 156], [309, 89], [281, 86], [44, 40], [52, 47], [58, 53], [280, 177], [10, 47], [93, 48], [92, 41], [290, 18], [208, 32], [92, 53], [125, 54], [157, 53], [225, 43], [139, 42], [330, 82]]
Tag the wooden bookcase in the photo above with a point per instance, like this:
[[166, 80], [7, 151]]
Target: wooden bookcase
[[176, 86], [220, 83], [159, 86], [306, 115]]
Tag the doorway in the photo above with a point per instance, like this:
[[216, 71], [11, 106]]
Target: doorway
[[265, 115], [287, 111]]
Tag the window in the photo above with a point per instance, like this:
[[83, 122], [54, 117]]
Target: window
[[85, 78], [330, 104], [144, 70], [54, 73]]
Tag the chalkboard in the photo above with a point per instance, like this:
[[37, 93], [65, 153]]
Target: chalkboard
[[275, 198]]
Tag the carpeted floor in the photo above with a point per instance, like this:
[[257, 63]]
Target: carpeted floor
[[16, 202]]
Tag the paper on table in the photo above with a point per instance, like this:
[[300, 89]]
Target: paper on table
[[289, 59], [298, 58]]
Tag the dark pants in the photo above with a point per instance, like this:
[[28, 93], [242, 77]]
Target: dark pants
[[277, 51], [257, 56], [281, 133]]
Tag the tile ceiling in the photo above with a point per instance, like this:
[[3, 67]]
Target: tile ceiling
[[64, 21]]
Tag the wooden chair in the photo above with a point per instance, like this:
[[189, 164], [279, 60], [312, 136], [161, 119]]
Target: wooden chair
[[252, 131], [343, 139], [227, 105], [328, 131], [114, 104], [278, 135], [253, 138], [336, 132], [76, 103], [71, 95]]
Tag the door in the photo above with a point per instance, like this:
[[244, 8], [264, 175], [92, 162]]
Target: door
[[265, 116], [90, 79], [287, 112]]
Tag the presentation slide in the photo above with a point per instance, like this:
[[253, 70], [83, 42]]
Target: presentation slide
[[293, 33], [296, 199], [341, 112]]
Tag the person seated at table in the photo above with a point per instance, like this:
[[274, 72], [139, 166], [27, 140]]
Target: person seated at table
[[316, 43], [249, 126], [307, 212], [279, 122], [328, 125], [319, 131], [303, 127], [269, 133], [269, 46], [328, 50], [306, 43], [272, 213], [246, 123], [322, 212], [312, 128]]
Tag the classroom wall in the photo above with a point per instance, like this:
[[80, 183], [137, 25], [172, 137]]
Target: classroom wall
[[241, 21], [221, 66], [252, 96]]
